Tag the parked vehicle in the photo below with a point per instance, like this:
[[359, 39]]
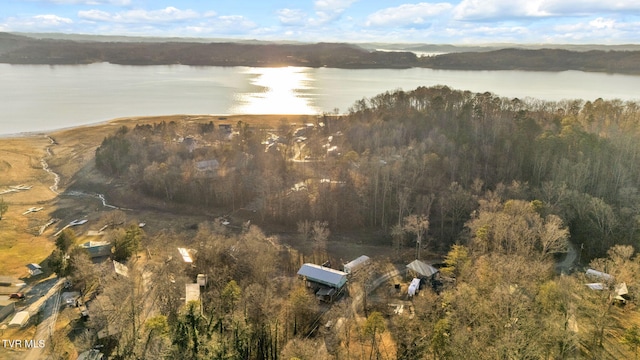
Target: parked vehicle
[[18, 296]]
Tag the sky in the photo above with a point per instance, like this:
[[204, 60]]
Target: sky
[[399, 21]]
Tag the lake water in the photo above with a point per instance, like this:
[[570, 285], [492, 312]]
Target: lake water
[[41, 97]]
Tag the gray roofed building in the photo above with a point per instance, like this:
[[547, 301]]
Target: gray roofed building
[[34, 269], [92, 354], [70, 298], [97, 248], [323, 275], [207, 168], [207, 165], [422, 268]]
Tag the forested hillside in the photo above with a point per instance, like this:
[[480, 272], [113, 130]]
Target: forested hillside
[[500, 188], [16, 49], [433, 151], [24, 50]]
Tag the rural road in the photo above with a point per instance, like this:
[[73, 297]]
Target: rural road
[[47, 306]]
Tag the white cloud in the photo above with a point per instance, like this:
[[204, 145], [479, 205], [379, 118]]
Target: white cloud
[[91, 2], [168, 14], [407, 14], [600, 29], [44, 22], [329, 10], [292, 17], [52, 20], [499, 9], [325, 12], [233, 23], [333, 5], [601, 23], [486, 10], [590, 7], [95, 15]]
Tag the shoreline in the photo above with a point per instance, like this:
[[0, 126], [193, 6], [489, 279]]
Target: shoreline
[[38, 133], [146, 119]]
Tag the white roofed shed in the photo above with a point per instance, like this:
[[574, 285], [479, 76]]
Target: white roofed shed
[[599, 275], [20, 319], [414, 287], [353, 265]]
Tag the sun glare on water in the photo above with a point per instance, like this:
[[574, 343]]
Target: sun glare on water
[[281, 91]]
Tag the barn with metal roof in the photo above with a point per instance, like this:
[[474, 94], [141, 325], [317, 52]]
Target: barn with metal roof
[[323, 275]]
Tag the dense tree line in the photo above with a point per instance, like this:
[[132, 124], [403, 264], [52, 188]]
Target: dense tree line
[[431, 151], [500, 185], [576, 157]]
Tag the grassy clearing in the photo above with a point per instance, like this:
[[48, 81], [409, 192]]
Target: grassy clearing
[[19, 243]]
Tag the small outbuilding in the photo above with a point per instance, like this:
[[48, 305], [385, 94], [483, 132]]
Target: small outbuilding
[[414, 287], [186, 257], [422, 268], [97, 248], [321, 275], [595, 286], [354, 265], [20, 319], [327, 283], [34, 269], [192, 293], [92, 354], [598, 275], [120, 269], [70, 298]]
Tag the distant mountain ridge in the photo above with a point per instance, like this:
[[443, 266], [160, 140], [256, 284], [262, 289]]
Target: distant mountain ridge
[[25, 50], [544, 59], [60, 49]]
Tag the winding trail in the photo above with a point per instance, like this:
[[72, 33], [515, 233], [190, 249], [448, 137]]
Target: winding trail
[[45, 167], [99, 196], [56, 180]]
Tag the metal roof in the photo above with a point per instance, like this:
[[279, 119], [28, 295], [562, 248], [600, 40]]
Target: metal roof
[[186, 257], [120, 269], [192, 293], [422, 268], [323, 275], [599, 274], [352, 265], [33, 266]]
